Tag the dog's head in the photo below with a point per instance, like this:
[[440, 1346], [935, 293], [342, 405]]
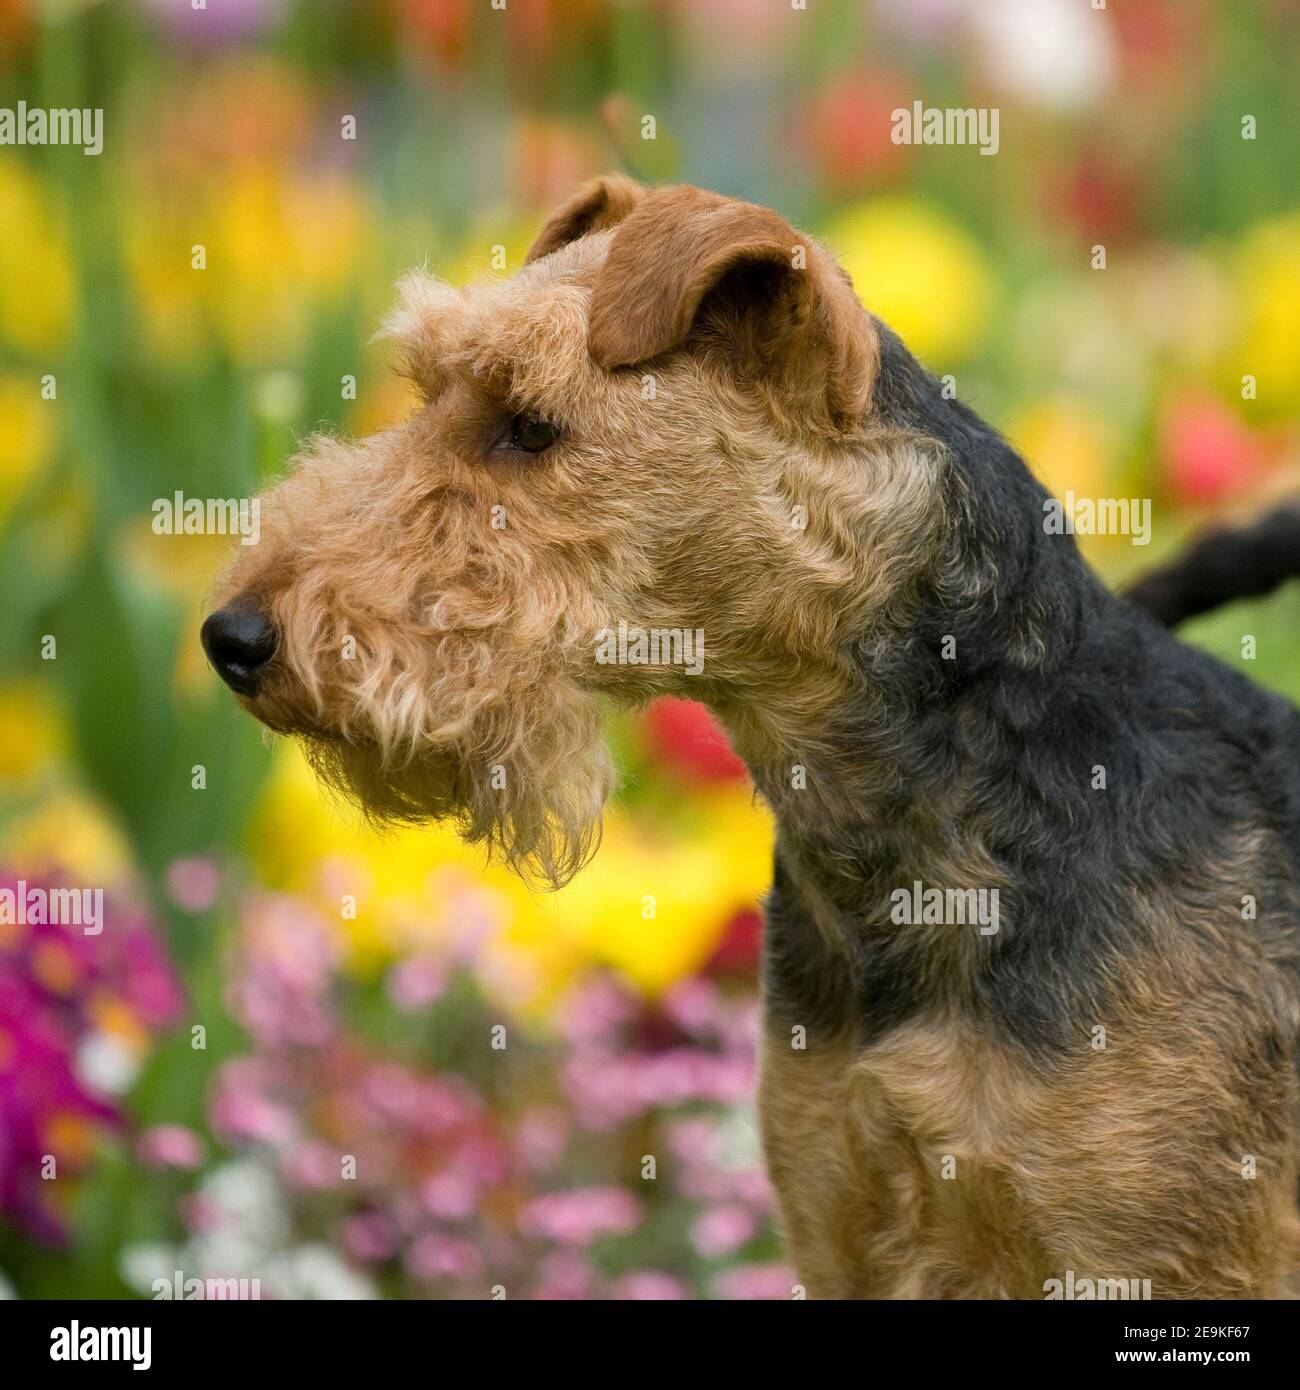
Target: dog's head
[[638, 467]]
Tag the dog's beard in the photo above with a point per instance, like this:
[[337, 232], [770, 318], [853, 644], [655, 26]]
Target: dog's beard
[[539, 807], [527, 777]]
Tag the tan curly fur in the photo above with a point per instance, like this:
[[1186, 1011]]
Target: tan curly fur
[[473, 583]]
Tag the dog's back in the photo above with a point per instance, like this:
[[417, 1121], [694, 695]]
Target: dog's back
[[1104, 1085]]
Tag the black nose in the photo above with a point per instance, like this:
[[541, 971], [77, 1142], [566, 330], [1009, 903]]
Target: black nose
[[239, 641]]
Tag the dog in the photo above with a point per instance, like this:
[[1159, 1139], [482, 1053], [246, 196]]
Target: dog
[[678, 415]]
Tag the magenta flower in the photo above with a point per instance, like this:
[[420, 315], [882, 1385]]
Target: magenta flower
[[60, 990]]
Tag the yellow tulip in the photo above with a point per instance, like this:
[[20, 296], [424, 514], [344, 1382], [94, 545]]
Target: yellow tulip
[[32, 731], [918, 270], [72, 832], [1267, 275], [1068, 447], [652, 904], [27, 432], [37, 290], [1065, 443]]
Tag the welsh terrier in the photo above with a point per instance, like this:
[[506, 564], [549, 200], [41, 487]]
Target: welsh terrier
[[1032, 970]]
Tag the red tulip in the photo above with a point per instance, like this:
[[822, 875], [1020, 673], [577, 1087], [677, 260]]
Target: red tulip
[[687, 738], [738, 951], [849, 128], [1206, 453]]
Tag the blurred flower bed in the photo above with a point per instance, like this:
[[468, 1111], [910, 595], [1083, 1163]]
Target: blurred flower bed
[[353, 1065]]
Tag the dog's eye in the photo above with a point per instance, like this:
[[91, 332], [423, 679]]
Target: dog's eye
[[531, 434]]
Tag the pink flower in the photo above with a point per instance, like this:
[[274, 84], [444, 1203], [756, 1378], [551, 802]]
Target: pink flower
[[541, 1137], [435, 1256], [244, 1109], [228, 22], [368, 1236], [417, 982], [649, 1286], [565, 1274], [606, 1091], [696, 1006], [596, 1009], [448, 1196], [170, 1146], [582, 1215], [747, 1282], [722, 1230], [313, 1166], [280, 989], [193, 884]]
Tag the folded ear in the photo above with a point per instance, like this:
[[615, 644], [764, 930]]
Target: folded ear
[[602, 203], [685, 263]]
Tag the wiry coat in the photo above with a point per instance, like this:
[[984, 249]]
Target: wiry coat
[[927, 687]]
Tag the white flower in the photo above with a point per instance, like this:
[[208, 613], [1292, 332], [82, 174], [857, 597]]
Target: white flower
[[315, 1271], [1054, 53], [106, 1064]]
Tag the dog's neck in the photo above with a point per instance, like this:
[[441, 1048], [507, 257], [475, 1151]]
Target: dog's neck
[[886, 784]]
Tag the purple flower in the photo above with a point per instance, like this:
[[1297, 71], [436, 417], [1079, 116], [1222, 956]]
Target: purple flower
[[219, 21]]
